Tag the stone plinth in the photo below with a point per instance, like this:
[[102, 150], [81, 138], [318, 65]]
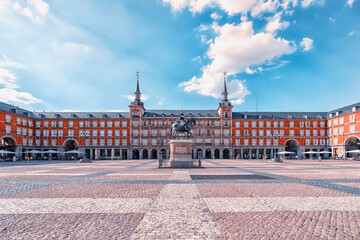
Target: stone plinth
[[180, 154]]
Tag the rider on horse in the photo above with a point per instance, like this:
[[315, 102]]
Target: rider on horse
[[182, 120]]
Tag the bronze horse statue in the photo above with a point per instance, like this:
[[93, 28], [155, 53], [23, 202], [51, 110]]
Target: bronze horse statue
[[182, 127]]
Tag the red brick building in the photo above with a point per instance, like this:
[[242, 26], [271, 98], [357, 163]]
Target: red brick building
[[143, 134]]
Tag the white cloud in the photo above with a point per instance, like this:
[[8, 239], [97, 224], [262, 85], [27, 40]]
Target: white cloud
[[9, 84], [350, 3], [196, 59], [203, 27], [307, 43], [237, 101], [351, 33], [215, 16], [307, 3], [274, 23], [161, 101], [132, 97], [33, 9], [235, 49], [265, 6], [332, 19], [12, 95]]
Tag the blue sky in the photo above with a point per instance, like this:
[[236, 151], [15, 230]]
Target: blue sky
[[289, 55]]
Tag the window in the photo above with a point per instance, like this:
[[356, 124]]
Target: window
[[226, 132], [217, 123], [145, 123], [153, 142], [38, 124], [37, 142], [281, 124], [30, 132], [237, 133], [261, 124], [315, 124], [24, 123], [71, 124], [61, 124], [226, 141], [341, 130], [352, 128], [246, 142], [352, 118], [124, 142], [109, 142], [163, 124], [307, 133], [322, 142], [81, 124], [335, 122], [268, 142], [237, 142], [322, 133], [46, 123], [268, 132], [291, 133], [253, 124], [53, 124], [153, 133], [60, 133], [94, 141], [307, 124], [226, 123], [102, 133], [46, 133], [253, 133], [315, 133], [341, 121], [246, 132], [53, 142], [199, 132], [124, 133], [94, 123], [261, 133], [301, 133], [102, 124], [71, 133], [124, 124], [207, 132], [335, 141], [322, 124], [253, 142], [38, 133], [109, 123], [145, 133], [315, 142], [217, 132], [53, 133], [237, 124], [268, 124], [102, 142], [109, 133], [301, 124], [246, 124], [46, 142], [117, 124], [153, 123], [8, 118], [30, 123], [335, 131], [291, 124], [18, 121], [87, 124], [276, 124], [135, 133], [163, 132], [261, 142], [135, 123], [307, 142], [117, 142], [95, 133], [87, 142], [30, 142], [8, 129], [144, 142], [329, 123], [117, 133]]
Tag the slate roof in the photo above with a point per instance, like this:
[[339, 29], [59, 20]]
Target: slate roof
[[14, 109], [345, 110], [176, 113], [279, 115]]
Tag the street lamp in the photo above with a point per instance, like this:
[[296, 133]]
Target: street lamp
[[85, 135], [275, 136]]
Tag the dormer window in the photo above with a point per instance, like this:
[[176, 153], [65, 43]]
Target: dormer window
[[245, 116], [354, 109], [260, 116], [306, 116], [289, 116]]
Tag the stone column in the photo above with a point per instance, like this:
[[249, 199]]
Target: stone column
[[257, 153], [241, 153]]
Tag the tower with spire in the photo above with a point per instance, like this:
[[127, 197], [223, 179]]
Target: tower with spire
[[225, 112], [225, 100], [137, 106]]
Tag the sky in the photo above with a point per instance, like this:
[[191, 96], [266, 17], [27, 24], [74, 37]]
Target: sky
[[83, 55]]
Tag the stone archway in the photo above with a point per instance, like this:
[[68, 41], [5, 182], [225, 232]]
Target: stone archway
[[208, 154], [145, 154], [8, 144], [70, 144], [351, 144], [217, 154], [135, 154], [153, 154], [198, 153], [163, 153], [226, 154], [292, 146]]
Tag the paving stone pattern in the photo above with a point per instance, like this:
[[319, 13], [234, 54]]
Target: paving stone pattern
[[227, 199]]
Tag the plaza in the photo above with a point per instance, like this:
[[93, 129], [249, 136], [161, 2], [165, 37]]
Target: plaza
[[226, 199]]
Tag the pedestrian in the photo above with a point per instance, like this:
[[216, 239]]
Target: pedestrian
[[319, 158]]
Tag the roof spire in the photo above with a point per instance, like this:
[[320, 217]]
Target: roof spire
[[137, 91], [225, 93]]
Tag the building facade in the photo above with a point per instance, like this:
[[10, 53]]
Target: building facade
[[144, 134]]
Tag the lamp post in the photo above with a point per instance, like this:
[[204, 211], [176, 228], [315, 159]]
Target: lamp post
[[85, 135], [275, 136]]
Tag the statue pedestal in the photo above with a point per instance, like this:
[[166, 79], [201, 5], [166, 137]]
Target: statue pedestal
[[180, 155]]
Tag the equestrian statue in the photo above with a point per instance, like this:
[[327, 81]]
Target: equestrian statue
[[182, 126]]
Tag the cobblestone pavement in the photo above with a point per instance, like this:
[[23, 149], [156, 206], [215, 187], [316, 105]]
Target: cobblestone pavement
[[302, 199]]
